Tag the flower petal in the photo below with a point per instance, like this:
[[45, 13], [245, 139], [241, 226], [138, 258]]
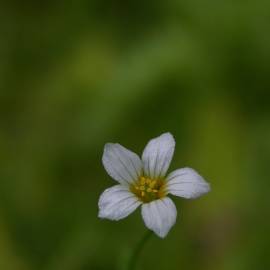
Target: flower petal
[[186, 183], [159, 216], [121, 164], [157, 155], [117, 202]]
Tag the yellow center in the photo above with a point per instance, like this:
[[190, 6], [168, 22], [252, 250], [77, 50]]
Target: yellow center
[[148, 190]]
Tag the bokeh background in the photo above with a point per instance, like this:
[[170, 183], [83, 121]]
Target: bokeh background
[[77, 74]]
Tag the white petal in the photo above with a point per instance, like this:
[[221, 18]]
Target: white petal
[[121, 164], [159, 216], [157, 155], [117, 202], [186, 183]]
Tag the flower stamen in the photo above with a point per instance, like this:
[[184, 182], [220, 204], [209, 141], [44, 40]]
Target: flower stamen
[[147, 189]]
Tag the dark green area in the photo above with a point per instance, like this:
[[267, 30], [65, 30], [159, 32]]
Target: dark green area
[[77, 74]]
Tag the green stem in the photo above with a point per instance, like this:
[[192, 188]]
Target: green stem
[[137, 251]]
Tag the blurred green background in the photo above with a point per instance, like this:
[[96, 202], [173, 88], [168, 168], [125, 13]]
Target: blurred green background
[[77, 74]]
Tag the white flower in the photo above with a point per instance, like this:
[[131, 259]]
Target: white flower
[[144, 182]]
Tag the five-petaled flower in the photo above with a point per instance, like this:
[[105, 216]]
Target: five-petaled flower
[[144, 182]]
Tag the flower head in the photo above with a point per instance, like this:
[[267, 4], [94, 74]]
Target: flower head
[[144, 182]]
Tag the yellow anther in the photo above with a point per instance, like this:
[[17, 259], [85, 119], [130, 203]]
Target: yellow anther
[[142, 181], [148, 190], [153, 183], [148, 181]]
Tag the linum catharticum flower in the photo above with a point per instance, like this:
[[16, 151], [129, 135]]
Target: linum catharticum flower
[[144, 182]]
